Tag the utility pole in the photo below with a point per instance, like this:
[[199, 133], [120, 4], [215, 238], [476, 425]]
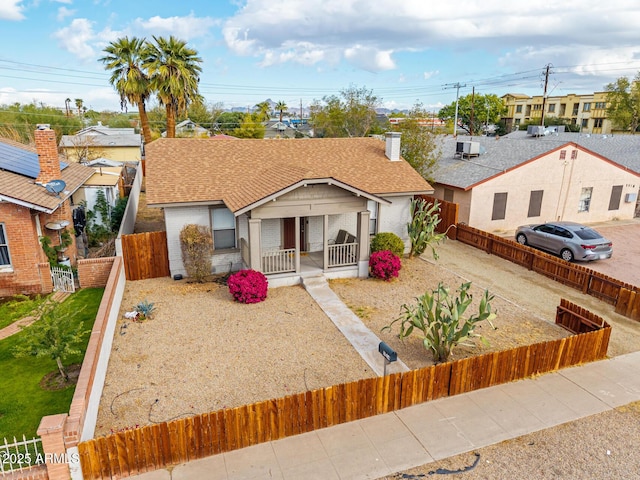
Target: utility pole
[[473, 101], [457, 86], [544, 94]]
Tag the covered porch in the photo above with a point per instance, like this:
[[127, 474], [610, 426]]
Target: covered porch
[[320, 226]]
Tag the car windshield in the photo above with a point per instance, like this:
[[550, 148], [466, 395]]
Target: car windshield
[[588, 234]]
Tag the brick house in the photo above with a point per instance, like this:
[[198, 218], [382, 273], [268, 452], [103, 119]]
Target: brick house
[[287, 208], [30, 209]]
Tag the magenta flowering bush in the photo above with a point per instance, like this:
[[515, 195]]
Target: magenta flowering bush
[[384, 264], [248, 286]]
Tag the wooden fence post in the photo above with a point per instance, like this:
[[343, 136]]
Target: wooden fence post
[[51, 431]]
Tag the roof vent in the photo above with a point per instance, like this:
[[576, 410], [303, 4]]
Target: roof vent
[[43, 126]]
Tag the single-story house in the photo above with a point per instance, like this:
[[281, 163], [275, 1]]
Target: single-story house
[[500, 183], [35, 191], [188, 128], [283, 207], [109, 181], [90, 143]]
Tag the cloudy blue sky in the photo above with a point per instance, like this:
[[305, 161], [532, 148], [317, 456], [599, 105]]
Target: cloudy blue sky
[[300, 50]]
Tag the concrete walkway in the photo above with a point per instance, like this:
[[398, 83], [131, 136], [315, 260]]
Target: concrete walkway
[[385, 444], [364, 341]]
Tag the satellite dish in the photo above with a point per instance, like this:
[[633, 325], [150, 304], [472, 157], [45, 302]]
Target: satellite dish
[[59, 225], [55, 186]]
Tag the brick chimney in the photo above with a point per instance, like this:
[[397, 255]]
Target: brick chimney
[[392, 146], [47, 149]]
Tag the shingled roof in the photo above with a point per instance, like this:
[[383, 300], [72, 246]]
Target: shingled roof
[[242, 172], [506, 153], [23, 190]]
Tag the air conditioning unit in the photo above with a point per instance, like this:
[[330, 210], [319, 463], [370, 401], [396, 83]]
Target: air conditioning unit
[[471, 148], [535, 130], [630, 197], [459, 147]]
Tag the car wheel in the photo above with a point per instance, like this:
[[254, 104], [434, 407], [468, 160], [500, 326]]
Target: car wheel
[[567, 255], [521, 239]]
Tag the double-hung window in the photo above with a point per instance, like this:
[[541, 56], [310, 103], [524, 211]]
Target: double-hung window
[[373, 216], [224, 228], [5, 259]]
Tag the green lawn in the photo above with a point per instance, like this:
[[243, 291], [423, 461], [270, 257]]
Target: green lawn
[[22, 402], [18, 307]]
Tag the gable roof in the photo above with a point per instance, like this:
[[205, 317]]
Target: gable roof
[[111, 140], [22, 190], [511, 151], [243, 172]]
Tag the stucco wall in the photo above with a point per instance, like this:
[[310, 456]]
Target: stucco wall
[[394, 218], [562, 182]]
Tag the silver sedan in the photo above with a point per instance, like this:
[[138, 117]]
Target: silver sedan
[[570, 240]]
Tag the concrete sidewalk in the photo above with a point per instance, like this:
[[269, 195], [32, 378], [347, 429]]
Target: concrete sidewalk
[[381, 445]]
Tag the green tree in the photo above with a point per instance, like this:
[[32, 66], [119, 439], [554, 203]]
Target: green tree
[[174, 72], [18, 121], [623, 97], [418, 144], [250, 127], [54, 335], [487, 110], [124, 58], [228, 122], [350, 114], [204, 113], [281, 107], [438, 318]]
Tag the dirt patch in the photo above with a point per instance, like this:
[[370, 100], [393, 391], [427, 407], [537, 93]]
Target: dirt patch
[[148, 219], [53, 381]]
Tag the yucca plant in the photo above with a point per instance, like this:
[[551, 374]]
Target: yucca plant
[[439, 317]]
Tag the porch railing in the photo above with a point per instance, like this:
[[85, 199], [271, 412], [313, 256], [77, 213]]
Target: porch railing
[[343, 254], [279, 261]]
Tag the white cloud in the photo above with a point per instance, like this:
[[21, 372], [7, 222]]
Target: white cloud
[[367, 34], [428, 75], [185, 28], [64, 12], [79, 38], [11, 10]]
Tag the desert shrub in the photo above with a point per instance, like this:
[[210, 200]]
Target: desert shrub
[[438, 319], [248, 286], [425, 218], [387, 241], [196, 243], [384, 265]]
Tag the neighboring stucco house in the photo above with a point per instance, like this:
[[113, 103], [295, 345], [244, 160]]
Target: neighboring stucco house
[[187, 128], [283, 207], [501, 183], [106, 179], [30, 208], [119, 144]]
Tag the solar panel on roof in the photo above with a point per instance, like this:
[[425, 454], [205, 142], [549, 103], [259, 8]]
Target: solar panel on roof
[[22, 162]]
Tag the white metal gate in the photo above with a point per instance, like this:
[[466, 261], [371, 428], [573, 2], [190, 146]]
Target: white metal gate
[[62, 279]]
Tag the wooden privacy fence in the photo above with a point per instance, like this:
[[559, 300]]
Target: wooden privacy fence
[[145, 255], [625, 297], [156, 446], [448, 215]]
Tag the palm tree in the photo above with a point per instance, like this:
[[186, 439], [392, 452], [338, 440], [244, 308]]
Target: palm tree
[[79, 103], [124, 59], [174, 72], [67, 106], [281, 107], [263, 110]]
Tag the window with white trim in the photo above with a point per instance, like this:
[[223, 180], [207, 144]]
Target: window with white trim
[[223, 223], [5, 258], [585, 199], [373, 217]]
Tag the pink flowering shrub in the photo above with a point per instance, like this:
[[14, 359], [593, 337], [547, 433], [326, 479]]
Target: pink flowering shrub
[[248, 286], [384, 264]]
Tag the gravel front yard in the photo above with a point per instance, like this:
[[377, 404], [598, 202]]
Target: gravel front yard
[[202, 351]]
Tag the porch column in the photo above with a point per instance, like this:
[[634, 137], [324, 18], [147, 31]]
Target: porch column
[[363, 247], [296, 256], [255, 244], [325, 243]]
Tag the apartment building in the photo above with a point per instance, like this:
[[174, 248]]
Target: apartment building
[[589, 111]]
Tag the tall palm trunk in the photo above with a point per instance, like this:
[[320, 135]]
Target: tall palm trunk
[[144, 122], [171, 120]]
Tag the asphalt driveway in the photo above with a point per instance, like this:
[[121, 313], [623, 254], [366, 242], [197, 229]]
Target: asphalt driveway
[[625, 262]]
